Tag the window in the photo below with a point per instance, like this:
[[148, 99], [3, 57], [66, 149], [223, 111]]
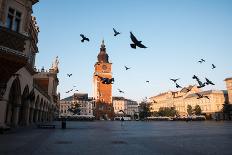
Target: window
[[13, 20]]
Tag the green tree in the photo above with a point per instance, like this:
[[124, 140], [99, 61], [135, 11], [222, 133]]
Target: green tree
[[75, 108], [144, 110], [197, 110], [166, 111], [189, 110]]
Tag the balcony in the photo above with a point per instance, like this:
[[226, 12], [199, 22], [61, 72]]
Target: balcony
[[12, 39], [12, 57]]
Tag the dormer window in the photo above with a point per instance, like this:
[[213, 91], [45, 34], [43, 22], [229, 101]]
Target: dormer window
[[13, 20]]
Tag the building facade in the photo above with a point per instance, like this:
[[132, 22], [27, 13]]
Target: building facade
[[181, 99], [102, 89], [86, 105], [124, 106], [24, 99]]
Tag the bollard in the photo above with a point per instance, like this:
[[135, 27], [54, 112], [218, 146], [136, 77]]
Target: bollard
[[63, 124]]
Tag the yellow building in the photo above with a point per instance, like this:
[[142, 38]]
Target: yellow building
[[188, 96]]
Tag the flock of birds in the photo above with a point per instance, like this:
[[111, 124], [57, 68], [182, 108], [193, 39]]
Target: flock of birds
[[200, 84], [136, 43]]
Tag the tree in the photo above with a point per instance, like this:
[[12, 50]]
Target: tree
[[197, 110], [189, 110], [75, 108], [227, 110], [144, 110], [166, 111]]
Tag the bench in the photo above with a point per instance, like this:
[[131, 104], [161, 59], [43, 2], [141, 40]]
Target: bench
[[46, 126], [4, 129]]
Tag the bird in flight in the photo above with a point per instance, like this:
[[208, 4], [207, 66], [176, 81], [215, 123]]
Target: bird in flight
[[209, 82], [201, 61], [200, 84], [116, 32], [127, 67], [175, 80], [69, 75], [84, 38], [195, 77], [178, 86], [76, 90], [106, 80], [147, 81], [199, 96], [136, 42], [120, 91], [213, 66]]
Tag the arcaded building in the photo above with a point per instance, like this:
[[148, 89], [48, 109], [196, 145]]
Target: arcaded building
[[102, 88], [27, 95]]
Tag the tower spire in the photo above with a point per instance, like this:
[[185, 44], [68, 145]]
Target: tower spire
[[103, 56], [103, 44]]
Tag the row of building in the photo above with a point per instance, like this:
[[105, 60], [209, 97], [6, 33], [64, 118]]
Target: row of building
[[27, 95], [211, 104], [87, 106]]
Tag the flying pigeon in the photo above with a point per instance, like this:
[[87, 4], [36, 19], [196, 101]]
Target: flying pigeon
[[213, 66], [116, 32], [127, 67], [174, 80], [136, 42], [84, 38], [69, 75], [209, 82], [178, 86], [120, 91]]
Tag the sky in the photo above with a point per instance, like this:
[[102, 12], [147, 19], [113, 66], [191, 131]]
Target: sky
[[177, 33]]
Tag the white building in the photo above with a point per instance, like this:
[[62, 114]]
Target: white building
[[124, 106], [86, 106]]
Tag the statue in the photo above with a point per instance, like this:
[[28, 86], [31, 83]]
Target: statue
[[55, 64]]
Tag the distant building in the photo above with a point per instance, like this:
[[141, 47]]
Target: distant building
[[86, 105], [102, 91], [124, 106], [27, 95], [187, 96]]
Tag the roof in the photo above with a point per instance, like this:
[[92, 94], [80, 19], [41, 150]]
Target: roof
[[204, 93], [185, 89], [70, 98], [118, 98], [228, 79], [103, 56]]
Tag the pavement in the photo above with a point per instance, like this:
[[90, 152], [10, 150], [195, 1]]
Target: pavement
[[121, 138]]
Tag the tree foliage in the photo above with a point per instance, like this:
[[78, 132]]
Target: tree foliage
[[189, 110], [75, 108], [166, 111], [197, 110], [144, 110]]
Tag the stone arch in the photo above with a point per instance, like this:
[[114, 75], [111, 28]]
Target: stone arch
[[31, 98], [40, 110], [14, 102], [24, 109], [36, 110]]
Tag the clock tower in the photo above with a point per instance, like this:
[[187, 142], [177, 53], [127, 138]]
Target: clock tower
[[102, 92]]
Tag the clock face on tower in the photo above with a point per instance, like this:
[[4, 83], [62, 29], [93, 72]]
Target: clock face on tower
[[104, 67]]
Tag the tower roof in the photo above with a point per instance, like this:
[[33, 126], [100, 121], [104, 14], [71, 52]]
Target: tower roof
[[103, 56]]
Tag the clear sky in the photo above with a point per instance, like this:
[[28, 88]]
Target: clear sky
[[177, 33]]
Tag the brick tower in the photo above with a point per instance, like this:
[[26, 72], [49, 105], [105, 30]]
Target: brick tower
[[102, 91]]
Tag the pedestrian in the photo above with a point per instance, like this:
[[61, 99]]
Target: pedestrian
[[122, 120]]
